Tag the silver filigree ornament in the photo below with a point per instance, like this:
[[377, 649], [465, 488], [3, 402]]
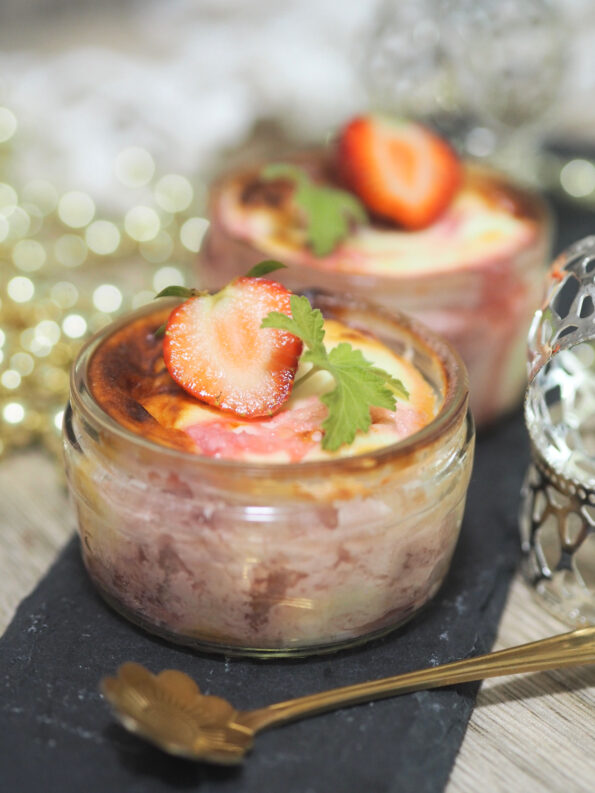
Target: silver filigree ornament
[[557, 518]]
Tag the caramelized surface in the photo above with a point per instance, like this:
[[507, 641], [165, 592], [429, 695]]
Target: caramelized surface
[[128, 379], [277, 194], [126, 369]]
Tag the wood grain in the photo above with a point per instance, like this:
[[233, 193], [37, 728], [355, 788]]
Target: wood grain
[[530, 733]]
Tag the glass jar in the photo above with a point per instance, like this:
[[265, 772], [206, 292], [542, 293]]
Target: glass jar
[[262, 559], [557, 515], [482, 306]]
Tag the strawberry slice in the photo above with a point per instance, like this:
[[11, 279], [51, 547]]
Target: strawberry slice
[[400, 169], [216, 350]]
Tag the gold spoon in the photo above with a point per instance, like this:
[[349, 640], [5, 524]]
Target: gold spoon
[[169, 710]]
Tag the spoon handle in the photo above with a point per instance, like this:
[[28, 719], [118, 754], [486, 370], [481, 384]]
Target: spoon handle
[[567, 649]]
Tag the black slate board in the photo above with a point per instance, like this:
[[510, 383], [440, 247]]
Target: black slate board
[[57, 735]]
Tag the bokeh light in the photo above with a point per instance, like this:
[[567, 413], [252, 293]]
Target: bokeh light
[[74, 326], [29, 255], [20, 289], [13, 413], [134, 167], [159, 249], [142, 223], [70, 250], [19, 222], [107, 298], [168, 276], [192, 233], [10, 379], [173, 193], [64, 294], [577, 177], [102, 237], [76, 209], [23, 363], [35, 216], [48, 331]]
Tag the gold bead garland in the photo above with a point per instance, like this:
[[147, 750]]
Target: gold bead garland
[[66, 271]]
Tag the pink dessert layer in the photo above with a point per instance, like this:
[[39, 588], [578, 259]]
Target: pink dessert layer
[[312, 578]]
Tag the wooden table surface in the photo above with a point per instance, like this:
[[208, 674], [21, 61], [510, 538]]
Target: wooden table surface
[[526, 734]]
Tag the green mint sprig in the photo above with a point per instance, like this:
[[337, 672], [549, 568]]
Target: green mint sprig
[[358, 383], [328, 211]]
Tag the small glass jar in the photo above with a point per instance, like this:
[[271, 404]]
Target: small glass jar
[[482, 306], [557, 515], [262, 559]]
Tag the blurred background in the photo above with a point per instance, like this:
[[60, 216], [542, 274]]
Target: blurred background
[[115, 116]]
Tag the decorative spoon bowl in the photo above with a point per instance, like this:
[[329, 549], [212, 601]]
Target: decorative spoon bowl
[[169, 711]]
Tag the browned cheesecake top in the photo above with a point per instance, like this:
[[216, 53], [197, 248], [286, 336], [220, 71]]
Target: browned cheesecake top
[[493, 187], [129, 381], [489, 217], [126, 369]]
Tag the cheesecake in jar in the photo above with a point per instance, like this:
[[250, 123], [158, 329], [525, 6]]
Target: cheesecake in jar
[[466, 255], [252, 534]]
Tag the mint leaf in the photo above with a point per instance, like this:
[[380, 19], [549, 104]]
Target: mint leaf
[[396, 386], [306, 323], [264, 268], [328, 211], [359, 384], [284, 170]]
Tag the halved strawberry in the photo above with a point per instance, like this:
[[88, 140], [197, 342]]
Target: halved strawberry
[[216, 350], [401, 170]]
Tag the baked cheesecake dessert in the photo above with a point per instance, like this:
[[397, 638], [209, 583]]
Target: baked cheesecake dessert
[[275, 474], [389, 213]]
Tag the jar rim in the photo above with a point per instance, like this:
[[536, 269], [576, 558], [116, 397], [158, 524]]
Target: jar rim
[[451, 412]]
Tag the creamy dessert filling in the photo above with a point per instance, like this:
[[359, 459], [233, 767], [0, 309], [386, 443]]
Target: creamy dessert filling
[[128, 379], [486, 220]]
